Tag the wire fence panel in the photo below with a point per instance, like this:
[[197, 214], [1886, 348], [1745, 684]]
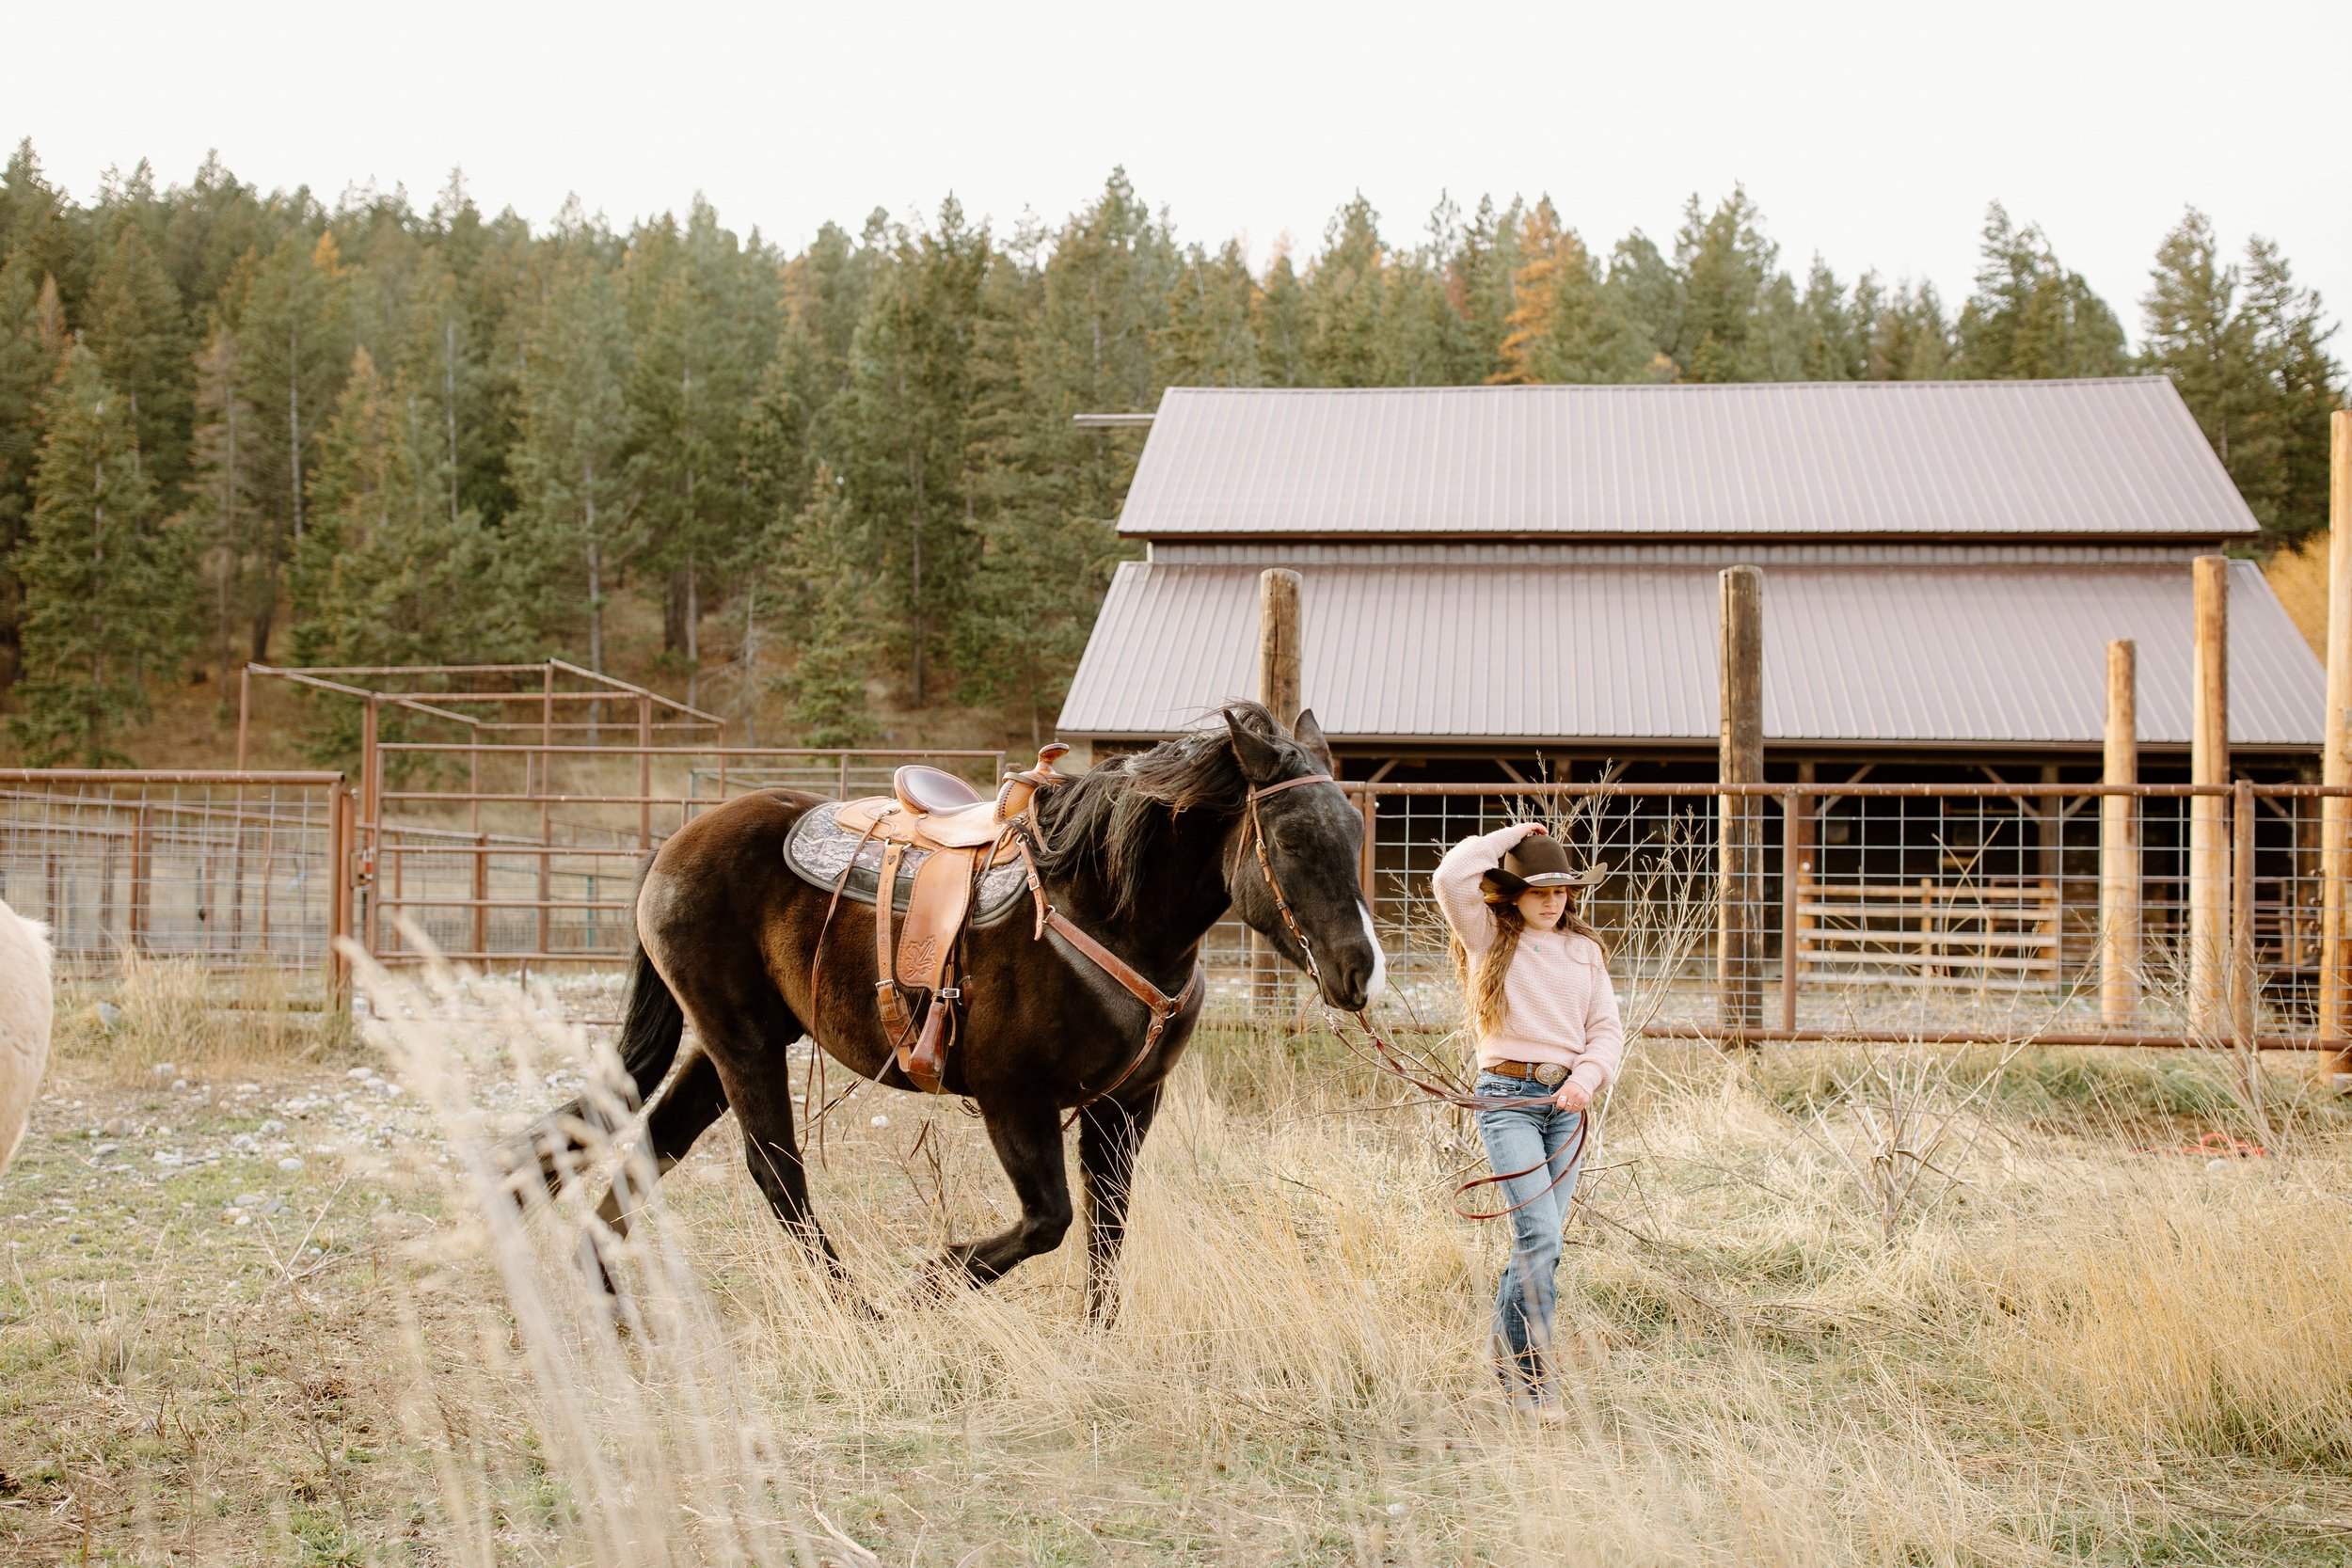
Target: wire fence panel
[[527, 852], [236, 871], [2158, 913]]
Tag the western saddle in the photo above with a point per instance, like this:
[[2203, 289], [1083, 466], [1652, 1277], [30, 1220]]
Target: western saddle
[[963, 834]]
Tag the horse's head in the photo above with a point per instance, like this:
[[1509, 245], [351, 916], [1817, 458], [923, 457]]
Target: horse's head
[[1311, 837]]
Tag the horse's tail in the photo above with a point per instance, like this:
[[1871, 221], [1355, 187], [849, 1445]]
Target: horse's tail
[[650, 1032]]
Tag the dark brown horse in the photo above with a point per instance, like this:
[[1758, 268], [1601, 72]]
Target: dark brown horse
[[1143, 853]]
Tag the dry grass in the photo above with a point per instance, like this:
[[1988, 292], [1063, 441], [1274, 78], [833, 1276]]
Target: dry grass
[[2081, 1352], [157, 1012], [2298, 574]]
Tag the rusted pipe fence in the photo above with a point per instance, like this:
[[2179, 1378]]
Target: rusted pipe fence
[[233, 869]]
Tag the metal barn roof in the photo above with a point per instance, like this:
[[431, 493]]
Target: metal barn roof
[[1872, 654], [2095, 459]]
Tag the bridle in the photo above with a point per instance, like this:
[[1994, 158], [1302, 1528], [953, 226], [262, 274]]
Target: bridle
[[1384, 1056]]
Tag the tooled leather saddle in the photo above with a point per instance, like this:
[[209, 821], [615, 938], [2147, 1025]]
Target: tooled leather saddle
[[935, 858]]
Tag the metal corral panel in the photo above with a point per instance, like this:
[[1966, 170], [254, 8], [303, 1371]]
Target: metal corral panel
[[2076, 459], [1927, 656]]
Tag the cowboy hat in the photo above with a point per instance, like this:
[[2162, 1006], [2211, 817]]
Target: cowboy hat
[[1537, 860]]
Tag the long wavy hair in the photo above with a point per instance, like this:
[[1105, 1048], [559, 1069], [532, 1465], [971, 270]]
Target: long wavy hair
[[1481, 984]]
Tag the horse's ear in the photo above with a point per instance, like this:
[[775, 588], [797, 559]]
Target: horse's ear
[[1309, 735], [1256, 748]]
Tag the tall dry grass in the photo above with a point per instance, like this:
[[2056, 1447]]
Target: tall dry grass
[[2298, 574], [154, 1011], [2082, 1350]]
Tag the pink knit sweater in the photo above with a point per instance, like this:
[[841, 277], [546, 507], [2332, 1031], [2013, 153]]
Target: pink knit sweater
[[1558, 1004]]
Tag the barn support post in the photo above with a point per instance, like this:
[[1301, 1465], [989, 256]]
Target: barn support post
[[1279, 689], [2120, 956], [1277, 643], [1740, 983], [2335, 832], [2209, 814]]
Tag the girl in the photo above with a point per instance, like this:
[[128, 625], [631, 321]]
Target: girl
[[1535, 978]]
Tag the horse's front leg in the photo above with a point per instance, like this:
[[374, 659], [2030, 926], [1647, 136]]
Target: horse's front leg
[[1110, 1137], [1028, 1138]]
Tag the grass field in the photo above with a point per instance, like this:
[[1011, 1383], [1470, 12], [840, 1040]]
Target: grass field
[[2075, 1341]]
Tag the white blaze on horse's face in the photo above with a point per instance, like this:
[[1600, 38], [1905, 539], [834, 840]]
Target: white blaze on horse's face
[[1378, 987]]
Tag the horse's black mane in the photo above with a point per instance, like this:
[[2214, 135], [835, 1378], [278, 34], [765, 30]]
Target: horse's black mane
[[1112, 818]]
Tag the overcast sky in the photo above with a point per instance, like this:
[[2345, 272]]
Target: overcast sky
[[1874, 135]]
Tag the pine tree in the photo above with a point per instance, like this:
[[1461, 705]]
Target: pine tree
[[1211, 337], [1569, 325], [2305, 386], [36, 223], [104, 582], [571, 464], [2192, 332], [29, 359], [827, 686], [289, 310], [1281, 317], [2254, 372], [1834, 345], [223, 511], [1907, 337], [1650, 296], [703, 313], [1480, 271], [1728, 269], [903, 438], [138, 329], [2029, 317], [385, 576], [1345, 297], [1074, 335]]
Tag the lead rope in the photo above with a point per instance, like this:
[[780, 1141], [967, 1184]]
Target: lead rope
[[1387, 1059]]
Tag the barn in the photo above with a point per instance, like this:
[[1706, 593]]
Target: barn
[[1502, 583]]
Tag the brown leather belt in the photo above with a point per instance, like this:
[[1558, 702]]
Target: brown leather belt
[[1550, 1075]]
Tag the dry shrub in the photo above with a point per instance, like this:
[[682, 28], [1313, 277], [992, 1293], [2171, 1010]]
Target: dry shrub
[[154, 1011], [2205, 1311], [2298, 573]]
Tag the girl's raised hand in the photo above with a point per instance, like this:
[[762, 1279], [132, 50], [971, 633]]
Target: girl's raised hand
[[1572, 1096]]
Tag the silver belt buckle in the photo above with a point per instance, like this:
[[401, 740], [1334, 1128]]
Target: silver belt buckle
[[1550, 1074]]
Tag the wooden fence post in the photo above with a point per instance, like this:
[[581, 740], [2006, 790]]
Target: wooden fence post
[[1794, 870], [2243, 981], [1279, 689], [2120, 956], [1740, 760], [2209, 814], [2335, 812], [1278, 643], [142, 875], [339, 881]]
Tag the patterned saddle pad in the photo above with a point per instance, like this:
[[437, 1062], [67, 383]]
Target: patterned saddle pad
[[819, 848]]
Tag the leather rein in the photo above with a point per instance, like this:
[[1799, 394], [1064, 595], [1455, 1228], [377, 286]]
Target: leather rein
[[1385, 1057]]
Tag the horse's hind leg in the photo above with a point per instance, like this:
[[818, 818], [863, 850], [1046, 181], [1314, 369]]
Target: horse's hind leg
[[1110, 1136], [682, 1113], [749, 1046]]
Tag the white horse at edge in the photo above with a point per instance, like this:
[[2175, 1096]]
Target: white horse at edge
[[26, 1009]]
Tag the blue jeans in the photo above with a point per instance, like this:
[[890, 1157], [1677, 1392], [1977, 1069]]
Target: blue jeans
[[1538, 1136]]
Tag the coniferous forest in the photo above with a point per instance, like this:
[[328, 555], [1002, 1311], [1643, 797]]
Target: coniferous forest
[[238, 425]]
